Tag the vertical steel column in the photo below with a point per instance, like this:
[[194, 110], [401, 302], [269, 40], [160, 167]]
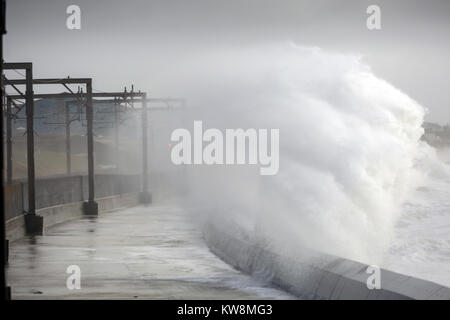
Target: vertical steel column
[[145, 196], [68, 147], [8, 141], [90, 141], [90, 207], [6, 290], [116, 135], [30, 140], [144, 145], [34, 224]]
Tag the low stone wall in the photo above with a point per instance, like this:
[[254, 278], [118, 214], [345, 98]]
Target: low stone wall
[[312, 275], [61, 198], [60, 190], [15, 227]]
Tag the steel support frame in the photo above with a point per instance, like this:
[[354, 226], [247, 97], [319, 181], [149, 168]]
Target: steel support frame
[[33, 222], [8, 141], [145, 196], [90, 206], [116, 101], [6, 290]]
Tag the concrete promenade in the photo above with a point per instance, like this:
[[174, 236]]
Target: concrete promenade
[[154, 252]]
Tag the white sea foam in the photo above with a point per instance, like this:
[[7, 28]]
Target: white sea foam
[[350, 149]]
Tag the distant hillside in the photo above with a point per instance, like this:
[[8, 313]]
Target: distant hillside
[[437, 135]]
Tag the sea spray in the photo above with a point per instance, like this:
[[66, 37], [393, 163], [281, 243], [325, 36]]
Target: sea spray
[[349, 142]]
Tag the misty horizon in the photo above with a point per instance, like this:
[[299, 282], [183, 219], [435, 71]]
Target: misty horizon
[[149, 43]]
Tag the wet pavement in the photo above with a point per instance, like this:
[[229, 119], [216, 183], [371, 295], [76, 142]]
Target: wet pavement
[[152, 252]]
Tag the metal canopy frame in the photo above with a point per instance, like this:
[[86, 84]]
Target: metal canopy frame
[[29, 108], [90, 207], [116, 123], [117, 97], [145, 196]]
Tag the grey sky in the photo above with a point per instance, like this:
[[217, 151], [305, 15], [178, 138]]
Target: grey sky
[[137, 41]]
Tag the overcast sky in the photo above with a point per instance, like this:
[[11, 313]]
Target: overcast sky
[[137, 41]]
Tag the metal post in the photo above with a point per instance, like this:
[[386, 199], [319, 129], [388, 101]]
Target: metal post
[[8, 141], [90, 207], [30, 140], [90, 140], [144, 146], [6, 290], [145, 196], [34, 224], [68, 147], [116, 135]]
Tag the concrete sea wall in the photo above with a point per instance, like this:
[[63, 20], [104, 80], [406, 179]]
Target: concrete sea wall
[[60, 199], [61, 190], [312, 275]]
